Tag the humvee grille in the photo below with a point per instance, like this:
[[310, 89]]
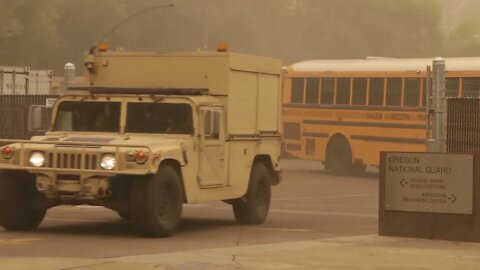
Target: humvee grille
[[73, 161]]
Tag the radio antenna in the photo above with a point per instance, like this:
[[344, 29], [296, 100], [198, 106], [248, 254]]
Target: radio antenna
[[115, 27]]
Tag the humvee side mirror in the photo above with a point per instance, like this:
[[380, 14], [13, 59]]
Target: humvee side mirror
[[36, 114]]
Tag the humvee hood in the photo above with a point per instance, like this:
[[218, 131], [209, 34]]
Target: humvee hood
[[116, 139], [89, 139]]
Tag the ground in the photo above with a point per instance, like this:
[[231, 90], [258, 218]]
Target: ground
[[317, 221]]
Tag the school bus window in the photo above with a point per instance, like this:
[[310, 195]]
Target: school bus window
[[470, 87], [312, 91], [297, 90], [359, 95], [328, 85], [375, 96], [452, 86], [424, 92], [412, 92], [394, 91], [343, 91]]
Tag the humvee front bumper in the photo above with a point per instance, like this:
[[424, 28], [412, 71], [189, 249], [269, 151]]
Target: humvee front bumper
[[74, 168]]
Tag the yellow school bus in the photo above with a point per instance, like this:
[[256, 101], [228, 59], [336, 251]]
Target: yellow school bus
[[344, 112]]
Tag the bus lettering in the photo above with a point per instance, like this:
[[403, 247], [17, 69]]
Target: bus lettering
[[374, 116], [400, 116]]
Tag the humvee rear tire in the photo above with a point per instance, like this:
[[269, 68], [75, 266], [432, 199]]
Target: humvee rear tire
[[253, 207], [156, 203], [125, 215], [17, 196]]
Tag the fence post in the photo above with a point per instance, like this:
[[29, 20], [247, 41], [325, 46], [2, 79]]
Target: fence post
[[2, 80], [437, 108]]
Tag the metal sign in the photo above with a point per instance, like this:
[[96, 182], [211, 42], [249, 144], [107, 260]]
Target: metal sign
[[49, 102], [429, 182]]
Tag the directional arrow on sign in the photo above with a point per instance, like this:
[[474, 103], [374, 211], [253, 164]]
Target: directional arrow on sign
[[403, 182], [452, 198]]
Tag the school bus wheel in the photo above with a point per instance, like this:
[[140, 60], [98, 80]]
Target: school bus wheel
[[358, 168], [339, 156]]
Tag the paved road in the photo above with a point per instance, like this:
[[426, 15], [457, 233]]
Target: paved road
[[316, 221], [307, 205]]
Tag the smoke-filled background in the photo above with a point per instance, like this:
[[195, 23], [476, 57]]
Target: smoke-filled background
[[46, 34]]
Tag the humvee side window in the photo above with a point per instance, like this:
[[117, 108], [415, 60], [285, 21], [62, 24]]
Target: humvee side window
[[88, 116], [211, 120], [168, 118]]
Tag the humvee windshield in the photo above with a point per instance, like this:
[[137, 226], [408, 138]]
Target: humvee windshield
[[174, 118], [88, 116]]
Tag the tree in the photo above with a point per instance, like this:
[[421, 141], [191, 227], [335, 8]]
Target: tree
[[352, 29], [29, 35], [49, 33], [464, 39]]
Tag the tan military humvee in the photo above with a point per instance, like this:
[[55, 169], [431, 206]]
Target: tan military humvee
[[151, 132]]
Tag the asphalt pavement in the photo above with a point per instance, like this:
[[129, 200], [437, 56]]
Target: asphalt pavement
[[317, 221]]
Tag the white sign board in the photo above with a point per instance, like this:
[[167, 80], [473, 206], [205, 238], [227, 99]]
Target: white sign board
[[429, 182], [49, 102]]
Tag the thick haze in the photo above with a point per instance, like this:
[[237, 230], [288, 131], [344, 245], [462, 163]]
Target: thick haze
[[46, 34]]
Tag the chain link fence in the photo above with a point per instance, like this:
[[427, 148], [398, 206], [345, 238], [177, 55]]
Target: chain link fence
[[14, 114], [463, 125]]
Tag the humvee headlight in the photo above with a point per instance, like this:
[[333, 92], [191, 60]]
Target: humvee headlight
[[37, 159], [108, 162]]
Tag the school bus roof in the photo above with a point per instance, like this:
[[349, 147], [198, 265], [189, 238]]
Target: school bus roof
[[382, 64]]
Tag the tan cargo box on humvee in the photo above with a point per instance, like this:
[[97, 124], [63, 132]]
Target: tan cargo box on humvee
[[152, 131]]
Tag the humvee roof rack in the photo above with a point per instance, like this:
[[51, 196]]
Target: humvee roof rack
[[146, 90]]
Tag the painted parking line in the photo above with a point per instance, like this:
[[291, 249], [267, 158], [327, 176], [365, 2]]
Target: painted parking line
[[84, 207], [373, 195], [294, 199], [74, 220], [301, 212], [279, 229], [18, 241], [326, 196], [323, 213]]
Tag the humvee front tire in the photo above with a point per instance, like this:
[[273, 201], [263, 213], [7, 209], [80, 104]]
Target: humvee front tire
[[156, 203], [253, 207], [17, 201]]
